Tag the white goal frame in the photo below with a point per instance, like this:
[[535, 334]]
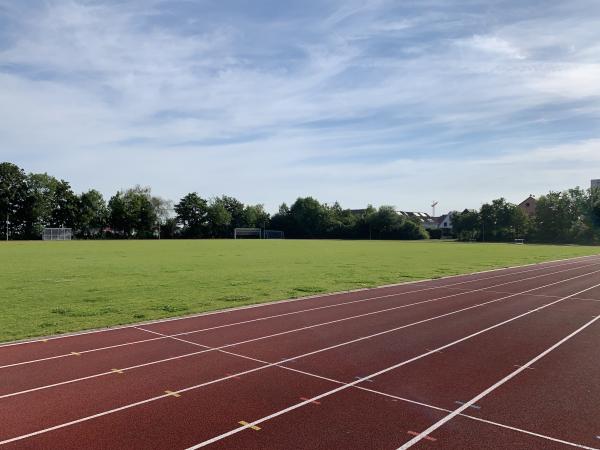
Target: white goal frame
[[57, 234], [241, 232], [273, 234]]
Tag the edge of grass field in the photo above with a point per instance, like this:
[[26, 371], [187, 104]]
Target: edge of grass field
[[271, 302]]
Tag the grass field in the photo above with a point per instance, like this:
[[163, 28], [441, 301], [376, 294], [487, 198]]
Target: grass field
[[53, 287]]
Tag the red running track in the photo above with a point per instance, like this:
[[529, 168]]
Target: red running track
[[501, 359]]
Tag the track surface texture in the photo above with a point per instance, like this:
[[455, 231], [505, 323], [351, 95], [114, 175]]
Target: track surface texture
[[505, 359]]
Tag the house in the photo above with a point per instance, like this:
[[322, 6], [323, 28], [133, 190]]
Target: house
[[439, 223], [528, 206], [595, 184], [414, 216]]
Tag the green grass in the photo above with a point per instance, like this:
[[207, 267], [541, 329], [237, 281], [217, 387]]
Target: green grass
[[54, 287]]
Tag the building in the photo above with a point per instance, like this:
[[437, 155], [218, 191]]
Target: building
[[595, 184], [414, 216], [528, 206]]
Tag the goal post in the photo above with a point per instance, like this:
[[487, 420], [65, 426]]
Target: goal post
[[240, 233], [274, 234], [57, 234]]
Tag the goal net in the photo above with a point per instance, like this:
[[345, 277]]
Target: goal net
[[57, 234], [240, 233], [273, 234]]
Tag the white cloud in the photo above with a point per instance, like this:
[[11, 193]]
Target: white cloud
[[493, 45], [109, 95]]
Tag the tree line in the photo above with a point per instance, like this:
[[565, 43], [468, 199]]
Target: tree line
[[31, 202], [569, 217]]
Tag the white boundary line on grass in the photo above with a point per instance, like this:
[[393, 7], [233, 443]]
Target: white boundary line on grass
[[493, 387], [574, 260], [380, 372], [190, 388], [281, 333], [335, 305]]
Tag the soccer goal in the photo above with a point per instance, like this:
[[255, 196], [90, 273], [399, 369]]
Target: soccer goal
[[57, 234], [273, 234], [240, 233]]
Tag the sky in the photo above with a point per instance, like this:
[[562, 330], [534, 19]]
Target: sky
[[397, 102]]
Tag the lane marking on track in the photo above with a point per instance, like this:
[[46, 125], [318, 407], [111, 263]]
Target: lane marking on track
[[388, 369], [319, 397], [75, 353], [493, 387], [470, 406], [534, 295], [526, 367], [363, 379], [395, 398], [173, 394], [428, 438], [243, 422], [314, 403], [545, 265], [429, 350], [117, 371], [208, 349], [233, 376]]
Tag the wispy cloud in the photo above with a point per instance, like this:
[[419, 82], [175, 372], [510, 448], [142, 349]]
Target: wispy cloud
[[360, 101]]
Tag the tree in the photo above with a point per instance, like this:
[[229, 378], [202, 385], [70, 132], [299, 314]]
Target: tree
[[132, 213], [162, 208], [555, 216], [41, 189], [13, 195], [192, 213], [255, 216], [466, 225], [64, 206], [92, 215], [308, 218], [219, 220], [501, 220]]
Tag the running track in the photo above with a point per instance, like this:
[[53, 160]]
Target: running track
[[500, 359]]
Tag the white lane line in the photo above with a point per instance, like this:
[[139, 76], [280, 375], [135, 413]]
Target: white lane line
[[479, 419], [311, 374], [233, 376], [493, 387], [208, 349], [332, 380], [463, 292], [535, 295], [540, 266], [426, 405], [388, 369]]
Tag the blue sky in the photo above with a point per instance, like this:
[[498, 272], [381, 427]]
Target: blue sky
[[383, 102]]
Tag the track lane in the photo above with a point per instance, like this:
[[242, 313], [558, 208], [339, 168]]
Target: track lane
[[422, 434], [488, 391], [19, 378], [559, 395]]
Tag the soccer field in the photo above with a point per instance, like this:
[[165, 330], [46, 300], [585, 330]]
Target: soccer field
[[53, 287]]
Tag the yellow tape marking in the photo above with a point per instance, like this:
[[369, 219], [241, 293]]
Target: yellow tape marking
[[43, 340], [254, 427], [117, 370], [75, 354], [173, 394]]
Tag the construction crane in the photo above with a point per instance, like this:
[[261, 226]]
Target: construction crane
[[433, 208]]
